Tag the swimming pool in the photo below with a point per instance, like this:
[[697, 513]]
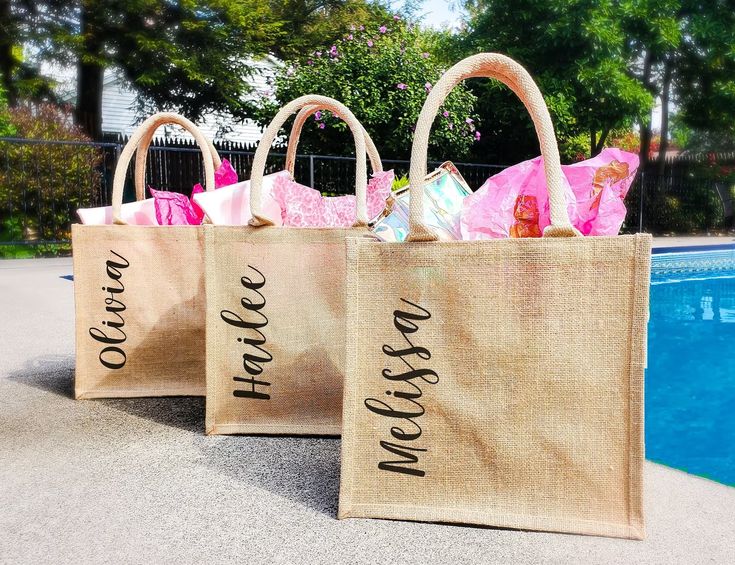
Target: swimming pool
[[690, 379]]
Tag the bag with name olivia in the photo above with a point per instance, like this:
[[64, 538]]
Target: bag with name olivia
[[275, 308], [494, 382], [139, 292]]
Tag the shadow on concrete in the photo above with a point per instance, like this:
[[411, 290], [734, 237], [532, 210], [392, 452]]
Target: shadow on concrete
[[51, 373], [55, 374], [304, 470], [183, 412]]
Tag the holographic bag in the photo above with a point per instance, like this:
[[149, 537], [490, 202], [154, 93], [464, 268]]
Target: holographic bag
[[444, 191]]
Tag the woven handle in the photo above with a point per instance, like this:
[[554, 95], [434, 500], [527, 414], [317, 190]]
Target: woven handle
[[269, 136], [150, 125], [293, 142], [141, 157], [513, 75]]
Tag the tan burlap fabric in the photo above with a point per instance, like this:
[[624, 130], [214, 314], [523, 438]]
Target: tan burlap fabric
[[496, 382], [275, 310], [139, 293]]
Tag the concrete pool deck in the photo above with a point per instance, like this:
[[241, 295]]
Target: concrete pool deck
[[137, 481], [661, 242]]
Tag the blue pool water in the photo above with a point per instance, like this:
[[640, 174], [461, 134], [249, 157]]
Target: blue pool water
[[690, 380]]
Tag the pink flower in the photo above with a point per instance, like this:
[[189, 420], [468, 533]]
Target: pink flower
[[477, 136], [470, 121], [427, 86], [401, 86], [350, 37], [321, 125], [382, 29], [396, 17], [362, 28], [318, 115], [445, 114], [370, 43], [333, 51], [425, 55], [309, 62], [450, 125], [318, 53]]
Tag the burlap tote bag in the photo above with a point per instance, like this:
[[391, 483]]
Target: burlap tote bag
[[139, 292], [275, 307], [496, 382]]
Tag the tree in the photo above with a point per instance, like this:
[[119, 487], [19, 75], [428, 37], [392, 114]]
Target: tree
[[576, 51], [311, 23], [382, 73], [6, 126], [602, 64], [703, 80], [193, 56]]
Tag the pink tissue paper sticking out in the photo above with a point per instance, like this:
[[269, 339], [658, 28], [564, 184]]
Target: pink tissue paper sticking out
[[305, 207], [514, 203], [230, 206], [164, 208]]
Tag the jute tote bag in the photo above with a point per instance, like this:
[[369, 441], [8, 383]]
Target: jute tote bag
[[496, 382], [139, 293], [275, 310]]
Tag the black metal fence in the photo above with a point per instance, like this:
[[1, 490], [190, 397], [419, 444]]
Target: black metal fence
[[43, 183]]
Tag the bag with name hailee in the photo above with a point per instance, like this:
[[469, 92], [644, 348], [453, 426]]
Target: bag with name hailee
[[496, 382], [139, 292], [275, 309]]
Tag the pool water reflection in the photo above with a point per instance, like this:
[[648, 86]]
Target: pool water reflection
[[690, 380]]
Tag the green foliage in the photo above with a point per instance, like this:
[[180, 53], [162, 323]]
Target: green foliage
[[577, 52], [705, 73], [382, 73], [192, 56], [399, 183], [41, 186], [312, 23], [6, 127]]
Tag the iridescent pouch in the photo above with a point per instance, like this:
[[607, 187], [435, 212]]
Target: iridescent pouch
[[445, 189]]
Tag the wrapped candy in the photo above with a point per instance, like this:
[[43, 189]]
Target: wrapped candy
[[444, 190], [514, 203]]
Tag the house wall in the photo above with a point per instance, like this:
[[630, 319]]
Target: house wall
[[119, 105], [119, 113]]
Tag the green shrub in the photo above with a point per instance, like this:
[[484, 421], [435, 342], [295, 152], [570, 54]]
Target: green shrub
[[42, 185], [382, 74]]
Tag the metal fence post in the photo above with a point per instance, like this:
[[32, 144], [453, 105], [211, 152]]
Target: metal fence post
[[640, 204], [311, 170]]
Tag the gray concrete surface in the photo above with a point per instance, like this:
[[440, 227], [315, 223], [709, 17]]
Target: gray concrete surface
[[136, 481], [689, 240]]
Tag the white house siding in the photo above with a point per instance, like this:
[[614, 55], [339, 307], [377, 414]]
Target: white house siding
[[119, 107]]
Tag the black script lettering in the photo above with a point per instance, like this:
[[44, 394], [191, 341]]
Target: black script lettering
[[406, 409], [408, 459], [256, 356], [252, 393], [113, 356], [106, 356]]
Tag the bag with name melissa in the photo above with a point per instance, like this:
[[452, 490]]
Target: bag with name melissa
[[275, 308], [496, 382], [139, 291]]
